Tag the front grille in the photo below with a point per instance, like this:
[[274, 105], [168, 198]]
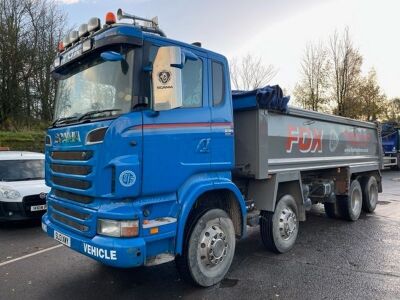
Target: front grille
[[69, 222], [73, 197], [71, 183], [70, 212], [71, 169], [72, 155]]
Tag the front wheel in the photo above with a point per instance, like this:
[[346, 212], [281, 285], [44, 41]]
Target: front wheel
[[209, 252], [279, 229]]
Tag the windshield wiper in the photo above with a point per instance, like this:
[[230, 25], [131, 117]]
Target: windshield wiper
[[84, 116], [63, 120], [91, 113]]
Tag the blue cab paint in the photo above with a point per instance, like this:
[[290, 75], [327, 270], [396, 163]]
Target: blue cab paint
[[148, 166]]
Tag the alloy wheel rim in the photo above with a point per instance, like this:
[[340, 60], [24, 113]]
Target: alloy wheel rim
[[213, 246], [287, 223]]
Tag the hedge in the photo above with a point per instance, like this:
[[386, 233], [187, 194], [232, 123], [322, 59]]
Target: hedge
[[23, 141]]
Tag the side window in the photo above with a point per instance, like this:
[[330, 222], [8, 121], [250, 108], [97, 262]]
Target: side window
[[218, 83], [192, 83]]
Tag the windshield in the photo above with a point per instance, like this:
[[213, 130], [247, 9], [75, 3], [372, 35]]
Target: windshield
[[18, 170], [95, 85]]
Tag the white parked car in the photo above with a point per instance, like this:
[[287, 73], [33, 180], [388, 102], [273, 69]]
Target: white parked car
[[22, 187]]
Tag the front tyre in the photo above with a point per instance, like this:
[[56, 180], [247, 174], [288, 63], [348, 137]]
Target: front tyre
[[209, 252], [279, 229]]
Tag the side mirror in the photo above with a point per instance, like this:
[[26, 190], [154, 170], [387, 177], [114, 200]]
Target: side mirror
[[167, 78]]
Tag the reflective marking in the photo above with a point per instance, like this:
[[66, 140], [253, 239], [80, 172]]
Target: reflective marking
[[29, 255]]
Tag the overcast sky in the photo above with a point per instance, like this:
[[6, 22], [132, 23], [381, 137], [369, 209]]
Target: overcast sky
[[277, 30]]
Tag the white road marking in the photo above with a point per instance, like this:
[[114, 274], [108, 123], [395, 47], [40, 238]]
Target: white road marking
[[29, 255]]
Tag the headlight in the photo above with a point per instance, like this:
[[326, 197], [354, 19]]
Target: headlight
[[118, 228], [7, 193]]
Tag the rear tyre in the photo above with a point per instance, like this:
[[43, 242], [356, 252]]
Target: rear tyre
[[209, 251], [369, 193], [279, 229], [350, 206]]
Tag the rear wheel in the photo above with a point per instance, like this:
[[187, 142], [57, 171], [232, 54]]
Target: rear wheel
[[369, 193], [350, 206], [209, 251], [279, 229]]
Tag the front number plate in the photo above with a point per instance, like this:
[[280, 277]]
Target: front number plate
[[39, 207], [62, 238]]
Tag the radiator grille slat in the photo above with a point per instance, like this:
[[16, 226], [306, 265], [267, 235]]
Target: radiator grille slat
[[69, 222], [71, 169], [72, 183], [72, 155], [70, 212], [73, 197]]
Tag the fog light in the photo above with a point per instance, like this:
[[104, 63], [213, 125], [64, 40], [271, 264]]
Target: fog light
[[118, 228]]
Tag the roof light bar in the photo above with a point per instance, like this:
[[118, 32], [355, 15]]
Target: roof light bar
[[74, 36], [94, 24], [83, 30], [66, 41]]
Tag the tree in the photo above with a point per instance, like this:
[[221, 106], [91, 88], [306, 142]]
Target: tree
[[346, 70], [29, 33], [370, 98], [250, 73], [392, 111], [311, 92]]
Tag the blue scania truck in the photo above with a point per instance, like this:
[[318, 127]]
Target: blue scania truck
[[151, 157]]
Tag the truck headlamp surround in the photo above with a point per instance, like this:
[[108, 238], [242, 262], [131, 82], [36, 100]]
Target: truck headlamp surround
[[118, 228]]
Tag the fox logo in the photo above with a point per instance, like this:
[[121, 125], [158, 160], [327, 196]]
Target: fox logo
[[307, 140]]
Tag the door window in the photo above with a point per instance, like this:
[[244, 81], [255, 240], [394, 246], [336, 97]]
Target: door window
[[192, 82], [218, 84]]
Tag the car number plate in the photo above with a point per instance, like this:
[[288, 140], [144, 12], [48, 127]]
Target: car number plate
[[39, 207], [62, 238]]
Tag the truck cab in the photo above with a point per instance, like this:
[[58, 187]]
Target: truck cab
[[142, 142]]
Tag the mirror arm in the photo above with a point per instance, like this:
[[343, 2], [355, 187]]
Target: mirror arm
[[148, 68], [179, 66]]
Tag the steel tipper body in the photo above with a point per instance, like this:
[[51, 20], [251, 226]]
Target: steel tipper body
[[288, 159], [141, 155]]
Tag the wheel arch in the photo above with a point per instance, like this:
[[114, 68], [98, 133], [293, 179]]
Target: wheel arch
[[278, 185], [217, 193]]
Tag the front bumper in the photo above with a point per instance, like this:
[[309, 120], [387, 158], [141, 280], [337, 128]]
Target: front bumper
[[116, 252], [19, 211]]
